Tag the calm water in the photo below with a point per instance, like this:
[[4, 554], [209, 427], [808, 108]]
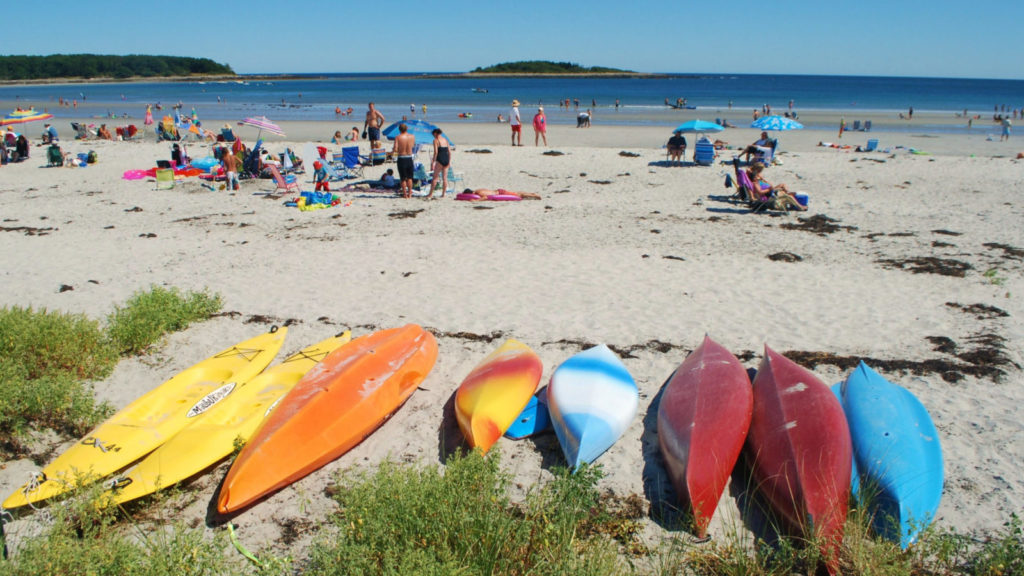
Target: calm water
[[641, 100]]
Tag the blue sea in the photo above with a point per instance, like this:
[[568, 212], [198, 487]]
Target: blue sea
[[641, 100]]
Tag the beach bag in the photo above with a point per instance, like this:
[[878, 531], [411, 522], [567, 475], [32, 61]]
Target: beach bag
[[728, 180], [91, 157]]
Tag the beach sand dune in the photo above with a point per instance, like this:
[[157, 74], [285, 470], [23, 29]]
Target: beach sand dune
[[891, 258]]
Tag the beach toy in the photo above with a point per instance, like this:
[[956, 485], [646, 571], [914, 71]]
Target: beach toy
[[134, 174], [467, 197]]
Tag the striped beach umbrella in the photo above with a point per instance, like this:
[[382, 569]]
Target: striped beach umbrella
[[262, 123], [776, 123], [22, 116]]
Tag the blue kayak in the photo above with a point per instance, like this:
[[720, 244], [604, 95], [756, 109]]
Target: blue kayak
[[896, 452], [533, 420]]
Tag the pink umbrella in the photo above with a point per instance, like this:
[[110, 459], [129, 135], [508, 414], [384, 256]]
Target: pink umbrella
[[262, 123]]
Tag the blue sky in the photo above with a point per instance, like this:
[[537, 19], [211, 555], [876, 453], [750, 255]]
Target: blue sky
[[862, 37]]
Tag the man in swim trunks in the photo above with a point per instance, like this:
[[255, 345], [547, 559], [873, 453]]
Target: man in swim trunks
[[404, 143], [371, 127], [516, 124]]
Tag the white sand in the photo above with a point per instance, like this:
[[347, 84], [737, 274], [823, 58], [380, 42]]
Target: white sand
[[656, 254]]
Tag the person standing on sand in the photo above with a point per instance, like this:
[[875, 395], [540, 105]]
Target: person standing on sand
[[910, 114], [230, 162], [371, 127], [842, 126], [516, 123], [1006, 129], [404, 143], [442, 160], [540, 126]]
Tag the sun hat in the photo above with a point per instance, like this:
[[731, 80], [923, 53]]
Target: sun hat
[[540, 108], [515, 102]]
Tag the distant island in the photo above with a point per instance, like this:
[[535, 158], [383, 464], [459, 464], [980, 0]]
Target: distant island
[[99, 66], [546, 67]]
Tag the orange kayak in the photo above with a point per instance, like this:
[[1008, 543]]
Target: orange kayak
[[495, 392], [333, 408]]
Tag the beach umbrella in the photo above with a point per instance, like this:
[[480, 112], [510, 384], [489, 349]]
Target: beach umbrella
[[421, 129], [698, 126], [776, 123], [22, 116], [262, 123]]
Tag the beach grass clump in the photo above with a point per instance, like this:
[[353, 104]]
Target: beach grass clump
[[404, 519], [86, 538], [150, 314], [47, 359]]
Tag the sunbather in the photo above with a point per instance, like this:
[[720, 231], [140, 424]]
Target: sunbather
[[104, 133], [783, 198], [485, 193]]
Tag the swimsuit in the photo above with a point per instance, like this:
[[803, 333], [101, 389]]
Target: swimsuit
[[405, 168], [374, 134], [443, 158]]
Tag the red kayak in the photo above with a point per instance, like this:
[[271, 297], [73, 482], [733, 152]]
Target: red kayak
[[800, 452], [703, 420]]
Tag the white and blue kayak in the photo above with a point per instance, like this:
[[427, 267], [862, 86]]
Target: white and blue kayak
[[897, 456], [592, 399]]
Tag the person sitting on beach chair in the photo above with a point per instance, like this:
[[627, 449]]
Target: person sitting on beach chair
[[676, 148], [757, 147], [778, 193]]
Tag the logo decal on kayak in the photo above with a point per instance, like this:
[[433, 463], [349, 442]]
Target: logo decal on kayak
[[274, 405], [103, 447], [210, 399]]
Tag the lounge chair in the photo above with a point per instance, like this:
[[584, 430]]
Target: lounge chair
[[750, 193], [856, 126], [377, 156], [704, 152], [867, 125], [285, 183]]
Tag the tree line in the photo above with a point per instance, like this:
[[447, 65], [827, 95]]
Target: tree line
[[106, 66], [544, 67]]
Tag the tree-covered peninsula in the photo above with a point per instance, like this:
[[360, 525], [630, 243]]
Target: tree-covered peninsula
[[96, 66]]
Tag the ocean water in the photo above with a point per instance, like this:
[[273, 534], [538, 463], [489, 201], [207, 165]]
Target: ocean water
[[641, 100]]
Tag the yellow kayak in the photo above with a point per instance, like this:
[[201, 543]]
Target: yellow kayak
[[207, 441], [495, 392], [149, 421]]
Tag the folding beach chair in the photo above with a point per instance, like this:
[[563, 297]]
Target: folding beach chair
[[704, 152], [856, 126], [285, 183], [454, 177], [164, 179], [766, 154], [350, 159], [54, 156], [867, 125]]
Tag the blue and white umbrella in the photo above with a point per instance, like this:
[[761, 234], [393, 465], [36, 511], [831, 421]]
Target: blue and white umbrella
[[776, 123], [421, 129], [698, 126]]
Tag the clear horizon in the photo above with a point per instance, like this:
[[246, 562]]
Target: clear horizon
[[800, 37]]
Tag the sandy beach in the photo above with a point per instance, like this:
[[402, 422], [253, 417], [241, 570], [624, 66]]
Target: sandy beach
[[916, 250]]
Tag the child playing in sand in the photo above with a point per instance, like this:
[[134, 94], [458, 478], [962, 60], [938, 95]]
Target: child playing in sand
[[320, 177]]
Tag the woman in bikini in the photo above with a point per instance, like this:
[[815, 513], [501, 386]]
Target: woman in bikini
[[782, 195], [442, 160]]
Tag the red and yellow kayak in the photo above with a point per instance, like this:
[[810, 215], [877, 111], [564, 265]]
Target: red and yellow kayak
[[333, 408], [495, 392]]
